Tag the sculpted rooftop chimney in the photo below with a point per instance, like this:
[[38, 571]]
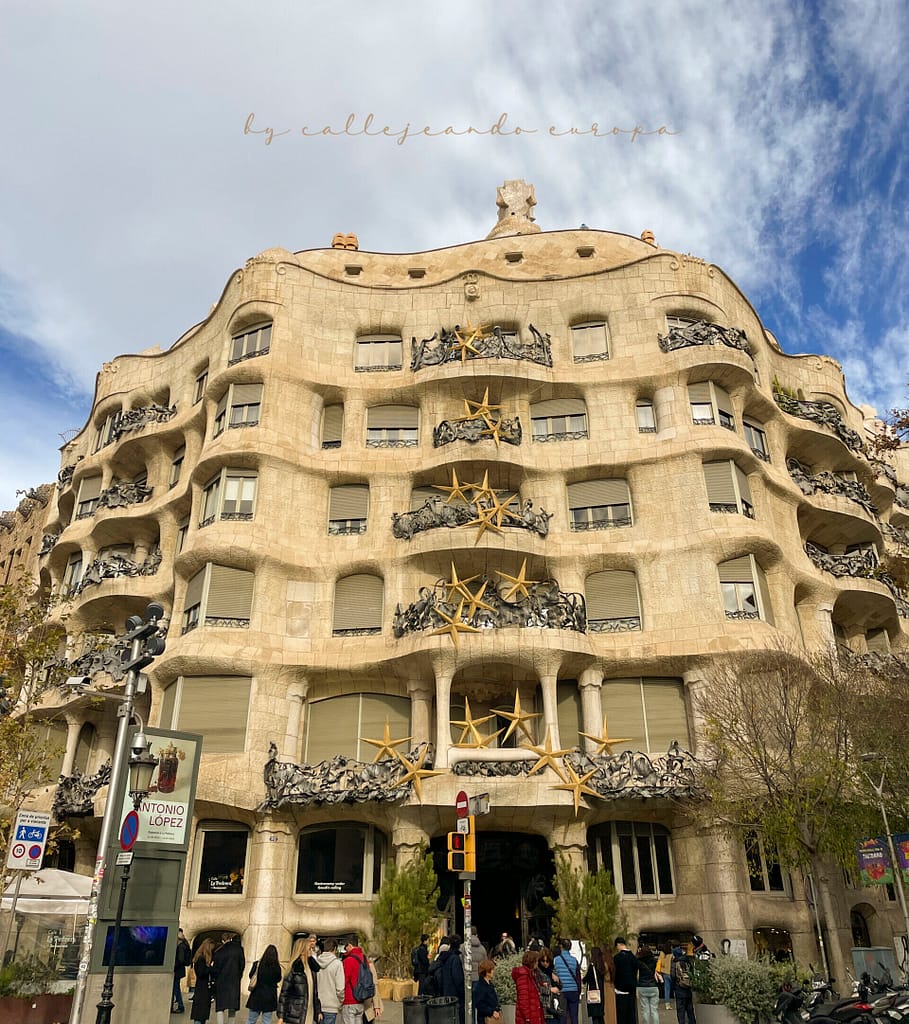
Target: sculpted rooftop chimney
[[515, 200]]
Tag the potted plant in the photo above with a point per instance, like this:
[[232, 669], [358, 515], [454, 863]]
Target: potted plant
[[27, 996], [733, 990], [504, 985]]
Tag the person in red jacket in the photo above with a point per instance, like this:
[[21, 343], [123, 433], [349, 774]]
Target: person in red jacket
[[352, 1011], [528, 1008]]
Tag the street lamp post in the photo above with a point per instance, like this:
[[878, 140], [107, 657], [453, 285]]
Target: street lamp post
[[141, 768], [878, 788], [145, 644]]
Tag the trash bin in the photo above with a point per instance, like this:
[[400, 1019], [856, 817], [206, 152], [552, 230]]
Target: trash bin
[[442, 1010], [415, 1009]]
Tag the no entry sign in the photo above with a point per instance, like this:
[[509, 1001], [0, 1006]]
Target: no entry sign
[[462, 804]]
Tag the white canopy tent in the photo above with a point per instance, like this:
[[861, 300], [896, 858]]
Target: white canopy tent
[[51, 893]]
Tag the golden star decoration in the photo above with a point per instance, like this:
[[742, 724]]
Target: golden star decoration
[[518, 719], [521, 583], [577, 785], [605, 741], [480, 410], [460, 587], [465, 337], [453, 624], [547, 756], [480, 491], [386, 745], [475, 601], [485, 521], [470, 725], [415, 772], [457, 491], [502, 509]]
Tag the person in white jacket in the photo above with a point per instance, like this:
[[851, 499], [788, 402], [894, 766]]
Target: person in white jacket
[[331, 982]]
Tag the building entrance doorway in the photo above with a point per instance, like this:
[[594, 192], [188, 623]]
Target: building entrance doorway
[[514, 875]]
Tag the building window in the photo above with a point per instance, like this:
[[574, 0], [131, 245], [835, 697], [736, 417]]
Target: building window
[[332, 426], [343, 724], [569, 714], [72, 577], [378, 352], [878, 641], [646, 714], [256, 341], [107, 430], [764, 873], [392, 426], [85, 748], [182, 531], [727, 488], [215, 706], [221, 851], [638, 855], [590, 341], [343, 859], [358, 605], [644, 414], [89, 493], [231, 495], [176, 466], [239, 407], [563, 419], [710, 404], [679, 323], [218, 595], [613, 602], [757, 440], [348, 509], [744, 588], [199, 386], [599, 504]]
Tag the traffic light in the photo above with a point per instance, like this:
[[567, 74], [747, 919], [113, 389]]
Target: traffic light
[[144, 632], [462, 851]]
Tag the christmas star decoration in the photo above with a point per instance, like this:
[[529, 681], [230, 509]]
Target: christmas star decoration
[[480, 410], [485, 521], [457, 491], [518, 719], [415, 772], [502, 509], [471, 725], [464, 339], [453, 624], [577, 785], [605, 741], [476, 602], [520, 582], [460, 587], [547, 756], [481, 491], [386, 745]]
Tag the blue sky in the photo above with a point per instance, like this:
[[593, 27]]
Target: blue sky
[[129, 193]]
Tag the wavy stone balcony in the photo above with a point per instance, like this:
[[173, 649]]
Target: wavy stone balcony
[[133, 420], [116, 566], [858, 564], [703, 333], [118, 495], [822, 413], [829, 483]]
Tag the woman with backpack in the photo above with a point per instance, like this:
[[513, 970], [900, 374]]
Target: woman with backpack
[[681, 984]]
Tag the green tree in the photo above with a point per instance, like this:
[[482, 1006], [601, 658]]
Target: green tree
[[588, 907], [403, 910]]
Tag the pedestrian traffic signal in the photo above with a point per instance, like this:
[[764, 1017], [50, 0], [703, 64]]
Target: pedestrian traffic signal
[[462, 855]]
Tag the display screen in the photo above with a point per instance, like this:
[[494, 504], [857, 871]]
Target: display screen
[[140, 946]]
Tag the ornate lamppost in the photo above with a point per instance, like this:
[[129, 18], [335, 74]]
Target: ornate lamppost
[[142, 764]]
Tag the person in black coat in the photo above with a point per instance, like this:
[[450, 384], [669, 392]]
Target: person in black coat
[[451, 973], [299, 998], [200, 1011], [484, 995], [264, 997], [420, 962], [227, 965]]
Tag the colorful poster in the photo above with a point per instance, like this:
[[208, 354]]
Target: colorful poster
[[166, 813], [874, 862], [901, 845]]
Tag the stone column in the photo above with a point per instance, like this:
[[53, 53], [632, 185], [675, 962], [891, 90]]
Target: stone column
[[296, 720], [443, 716], [271, 864], [590, 683], [548, 683], [73, 728], [406, 842], [420, 711], [694, 687], [140, 551], [571, 841]]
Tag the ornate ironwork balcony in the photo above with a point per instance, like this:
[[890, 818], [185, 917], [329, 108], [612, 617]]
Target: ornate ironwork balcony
[[378, 369], [114, 566], [410, 442], [564, 435], [822, 413], [360, 631], [856, 563], [623, 625], [346, 527], [703, 333], [829, 483], [132, 420], [445, 346], [74, 796], [249, 355], [741, 614]]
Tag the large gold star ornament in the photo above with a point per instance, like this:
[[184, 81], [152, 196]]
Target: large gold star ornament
[[519, 582], [547, 756], [605, 741], [480, 410], [577, 785], [386, 745], [518, 719], [470, 726], [457, 491], [465, 338], [453, 624], [459, 587], [415, 772]]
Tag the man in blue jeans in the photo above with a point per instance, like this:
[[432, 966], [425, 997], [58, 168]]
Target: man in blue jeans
[[182, 959], [569, 972]]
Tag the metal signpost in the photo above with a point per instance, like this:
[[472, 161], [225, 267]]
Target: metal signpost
[[25, 854]]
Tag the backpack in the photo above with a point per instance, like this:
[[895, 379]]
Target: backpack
[[184, 955], [365, 987], [432, 982], [681, 974]]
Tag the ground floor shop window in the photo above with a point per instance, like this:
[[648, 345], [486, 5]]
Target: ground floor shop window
[[637, 853], [773, 942], [222, 860], [342, 859]]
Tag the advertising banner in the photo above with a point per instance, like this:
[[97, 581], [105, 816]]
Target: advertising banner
[[901, 845], [874, 862], [165, 815]]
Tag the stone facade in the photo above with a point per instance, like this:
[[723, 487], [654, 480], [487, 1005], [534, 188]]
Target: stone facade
[[294, 427]]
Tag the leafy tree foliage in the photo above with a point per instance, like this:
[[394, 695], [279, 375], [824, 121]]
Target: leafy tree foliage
[[403, 910], [588, 907]]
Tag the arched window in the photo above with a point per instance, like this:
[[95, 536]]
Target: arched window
[[218, 595], [340, 859], [253, 341], [599, 504], [332, 426], [562, 419], [645, 714], [590, 341], [240, 406], [348, 509], [378, 352], [392, 426], [710, 404], [727, 488], [215, 706]]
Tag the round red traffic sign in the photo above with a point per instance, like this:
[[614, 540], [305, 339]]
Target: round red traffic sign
[[129, 831], [462, 804]]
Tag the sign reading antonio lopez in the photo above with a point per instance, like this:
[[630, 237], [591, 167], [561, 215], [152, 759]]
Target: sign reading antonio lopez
[[165, 815]]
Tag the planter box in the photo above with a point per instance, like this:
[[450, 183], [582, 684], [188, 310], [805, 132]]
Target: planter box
[[43, 1009], [711, 1013]]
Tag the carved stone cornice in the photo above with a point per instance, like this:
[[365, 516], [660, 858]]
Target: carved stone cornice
[[822, 413], [704, 333], [74, 796], [447, 346]]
